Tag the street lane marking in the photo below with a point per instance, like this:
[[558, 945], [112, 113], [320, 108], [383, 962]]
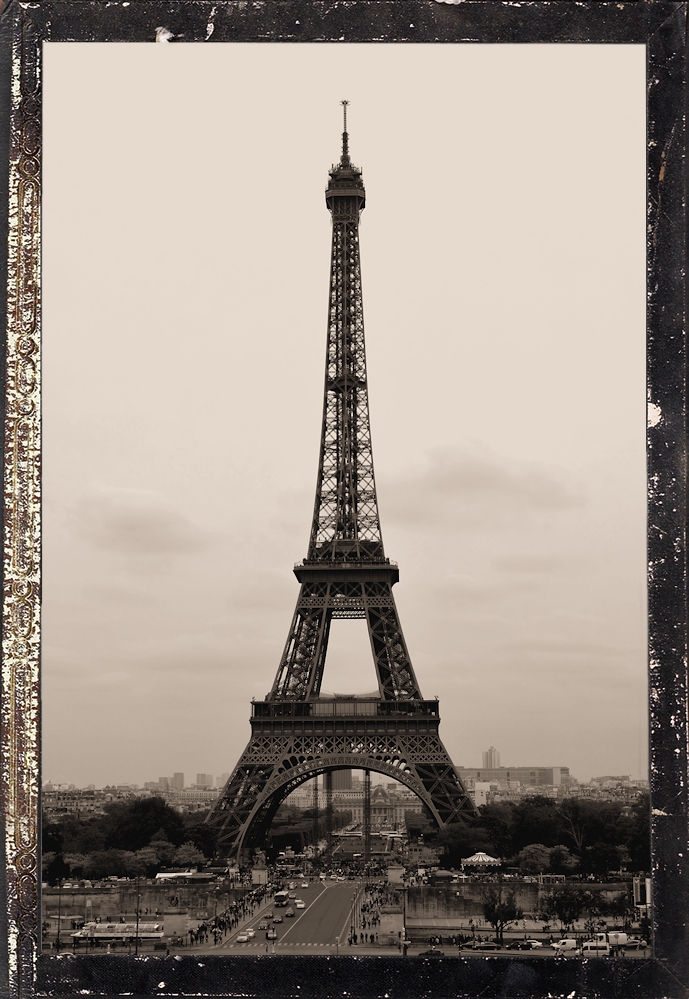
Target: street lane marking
[[303, 912]]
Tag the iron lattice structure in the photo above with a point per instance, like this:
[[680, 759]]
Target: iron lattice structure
[[296, 734]]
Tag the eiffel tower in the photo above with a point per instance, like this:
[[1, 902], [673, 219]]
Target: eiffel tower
[[296, 734]]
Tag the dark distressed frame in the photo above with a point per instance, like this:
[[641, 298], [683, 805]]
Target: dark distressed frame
[[661, 27]]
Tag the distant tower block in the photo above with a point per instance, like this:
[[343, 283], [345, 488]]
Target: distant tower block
[[177, 782], [296, 732], [491, 759]]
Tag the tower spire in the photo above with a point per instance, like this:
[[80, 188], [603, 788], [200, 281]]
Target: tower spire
[[344, 160]]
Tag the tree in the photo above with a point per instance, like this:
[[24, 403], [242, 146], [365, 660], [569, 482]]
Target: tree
[[601, 858], [145, 862], [164, 849], [57, 870], [534, 859], [106, 864], [537, 820], [187, 855], [202, 835], [561, 860], [462, 840], [499, 820], [566, 904], [500, 908], [132, 824], [638, 834]]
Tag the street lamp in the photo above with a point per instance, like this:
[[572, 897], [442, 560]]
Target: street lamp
[[59, 913], [136, 942]]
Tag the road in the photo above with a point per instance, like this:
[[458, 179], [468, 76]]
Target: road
[[326, 916]]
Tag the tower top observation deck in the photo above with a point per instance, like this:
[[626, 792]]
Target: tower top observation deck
[[345, 181]]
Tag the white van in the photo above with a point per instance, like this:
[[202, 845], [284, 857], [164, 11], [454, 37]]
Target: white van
[[594, 948], [562, 946]]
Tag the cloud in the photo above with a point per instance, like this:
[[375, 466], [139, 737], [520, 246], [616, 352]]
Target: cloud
[[524, 563], [135, 522], [472, 484]]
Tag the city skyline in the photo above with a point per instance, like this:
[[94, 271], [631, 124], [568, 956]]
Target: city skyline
[[506, 360]]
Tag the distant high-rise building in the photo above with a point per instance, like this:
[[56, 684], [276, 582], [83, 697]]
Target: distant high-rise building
[[222, 780], [342, 780], [204, 780], [164, 783], [177, 782], [491, 759]]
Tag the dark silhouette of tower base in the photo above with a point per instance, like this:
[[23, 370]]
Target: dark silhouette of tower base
[[296, 734], [367, 815]]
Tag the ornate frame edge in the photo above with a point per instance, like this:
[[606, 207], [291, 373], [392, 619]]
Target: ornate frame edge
[[24, 26]]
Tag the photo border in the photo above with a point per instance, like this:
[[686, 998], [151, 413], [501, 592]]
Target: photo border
[[661, 27]]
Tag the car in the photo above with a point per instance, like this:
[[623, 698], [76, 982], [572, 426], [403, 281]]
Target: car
[[299, 904], [562, 946], [272, 935], [277, 919], [263, 926], [593, 948], [292, 894], [305, 884], [433, 952], [635, 944], [486, 945], [333, 877], [514, 945], [250, 933], [242, 938], [289, 912], [268, 915], [341, 878], [531, 945]]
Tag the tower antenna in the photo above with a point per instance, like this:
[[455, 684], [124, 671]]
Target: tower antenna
[[345, 136]]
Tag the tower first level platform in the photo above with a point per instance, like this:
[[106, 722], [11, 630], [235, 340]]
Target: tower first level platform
[[294, 741]]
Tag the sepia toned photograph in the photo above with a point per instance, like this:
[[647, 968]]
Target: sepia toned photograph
[[290, 706]]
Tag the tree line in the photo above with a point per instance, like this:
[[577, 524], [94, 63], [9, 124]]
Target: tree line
[[539, 834], [131, 838]]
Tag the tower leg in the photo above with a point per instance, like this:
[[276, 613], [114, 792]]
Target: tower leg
[[328, 788], [315, 816], [367, 816]]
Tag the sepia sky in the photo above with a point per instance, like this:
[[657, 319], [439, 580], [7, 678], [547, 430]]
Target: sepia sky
[[186, 261]]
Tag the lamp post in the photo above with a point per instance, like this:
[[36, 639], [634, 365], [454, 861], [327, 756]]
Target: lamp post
[[136, 941], [59, 913]]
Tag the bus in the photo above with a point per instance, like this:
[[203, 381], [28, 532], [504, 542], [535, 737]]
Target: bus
[[281, 898]]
